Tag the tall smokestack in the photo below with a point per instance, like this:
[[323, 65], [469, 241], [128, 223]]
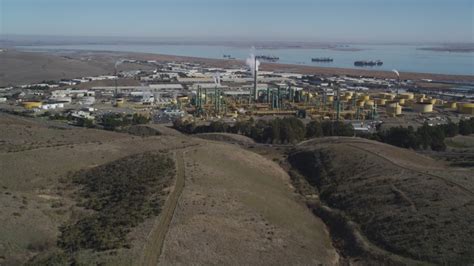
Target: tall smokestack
[[255, 94], [253, 64], [116, 77]]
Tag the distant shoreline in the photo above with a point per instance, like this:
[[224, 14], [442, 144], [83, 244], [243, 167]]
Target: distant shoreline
[[448, 49], [20, 66], [407, 59], [304, 69], [452, 48]]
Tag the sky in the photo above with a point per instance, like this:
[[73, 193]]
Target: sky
[[285, 20]]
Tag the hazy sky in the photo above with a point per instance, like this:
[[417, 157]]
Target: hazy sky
[[298, 20]]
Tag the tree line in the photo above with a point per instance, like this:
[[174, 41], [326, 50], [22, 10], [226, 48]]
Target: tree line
[[424, 137], [115, 121], [110, 121], [277, 131], [292, 130]]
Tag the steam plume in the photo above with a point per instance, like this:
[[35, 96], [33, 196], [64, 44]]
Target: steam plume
[[217, 78], [119, 62], [396, 72], [251, 63]]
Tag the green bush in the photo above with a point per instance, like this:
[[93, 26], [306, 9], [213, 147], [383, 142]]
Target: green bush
[[466, 126], [337, 128], [121, 194], [401, 137], [279, 130], [113, 121], [314, 130], [139, 119]]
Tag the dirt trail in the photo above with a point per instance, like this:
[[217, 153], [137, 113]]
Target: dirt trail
[[237, 208], [154, 245], [355, 143], [391, 200], [414, 170]]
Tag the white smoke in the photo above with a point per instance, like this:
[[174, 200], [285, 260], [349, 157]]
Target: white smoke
[[251, 63], [396, 72], [217, 78], [119, 62]]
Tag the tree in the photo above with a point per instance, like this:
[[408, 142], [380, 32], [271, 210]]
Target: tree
[[84, 122], [292, 130], [113, 121], [138, 119], [184, 126], [314, 130], [432, 137], [466, 127], [451, 129], [243, 127], [217, 126], [337, 128], [401, 137], [424, 135], [257, 131]]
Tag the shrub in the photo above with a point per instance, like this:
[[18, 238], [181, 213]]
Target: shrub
[[314, 130], [401, 137], [337, 128], [466, 127], [138, 119], [121, 194]]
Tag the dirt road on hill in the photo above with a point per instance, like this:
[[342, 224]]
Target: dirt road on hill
[[154, 246]]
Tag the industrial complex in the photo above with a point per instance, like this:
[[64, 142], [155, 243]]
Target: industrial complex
[[199, 93]]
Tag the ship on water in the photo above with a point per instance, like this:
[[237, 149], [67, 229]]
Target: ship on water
[[322, 59], [268, 58], [228, 56], [368, 63]]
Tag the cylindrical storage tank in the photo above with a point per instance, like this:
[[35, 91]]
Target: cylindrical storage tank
[[394, 110], [381, 101], [407, 95], [467, 108], [392, 104], [383, 95], [349, 93], [330, 98], [369, 103], [450, 105], [347, 98], [390, 96], [360, 103], [119, 102], [432, 101], [364, 98], [401, 101], [31, 104], [409, 102], [63, 99], [423, 107]]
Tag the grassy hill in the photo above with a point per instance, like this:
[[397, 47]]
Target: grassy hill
[[236, 206], [403, 203]]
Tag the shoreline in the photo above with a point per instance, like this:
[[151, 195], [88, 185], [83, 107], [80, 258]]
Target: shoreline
[[303, 69], [320, 69], [106, 59]]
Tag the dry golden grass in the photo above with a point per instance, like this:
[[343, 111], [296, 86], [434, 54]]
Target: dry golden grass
[[403, 202], [237, 207]]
